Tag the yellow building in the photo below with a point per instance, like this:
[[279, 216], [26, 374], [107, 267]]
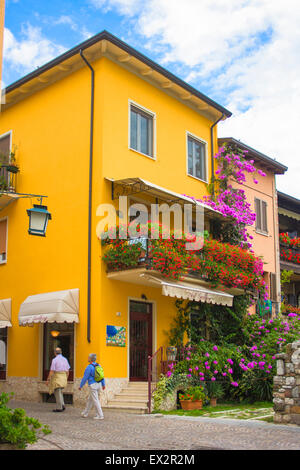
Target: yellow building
[[100, 121]]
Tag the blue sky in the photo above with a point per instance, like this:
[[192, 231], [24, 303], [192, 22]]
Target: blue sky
[[244, 54]]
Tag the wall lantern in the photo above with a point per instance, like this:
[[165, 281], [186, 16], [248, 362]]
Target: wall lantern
[[38, 220], [55, 333]]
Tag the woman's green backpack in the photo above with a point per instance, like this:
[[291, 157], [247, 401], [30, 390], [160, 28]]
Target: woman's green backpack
[[99, 372]]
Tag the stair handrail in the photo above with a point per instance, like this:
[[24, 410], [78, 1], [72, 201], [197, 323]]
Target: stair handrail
[[150, 375]]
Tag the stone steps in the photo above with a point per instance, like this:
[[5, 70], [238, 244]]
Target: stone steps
[[132, 399]]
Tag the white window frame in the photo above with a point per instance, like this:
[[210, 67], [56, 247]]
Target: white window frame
[[5, 260], [202, 141], [153, 116]]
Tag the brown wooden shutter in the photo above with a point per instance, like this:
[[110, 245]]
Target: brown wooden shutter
[[264, 216], [258, 214], [273, 287], [5, 147], [3, 234]]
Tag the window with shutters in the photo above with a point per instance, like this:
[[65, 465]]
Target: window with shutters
[[261, 216], [142, 131], [3, 240]]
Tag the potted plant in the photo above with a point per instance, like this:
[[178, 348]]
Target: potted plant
[[16, 429], [193, 398], [9, 161], [215, 391]]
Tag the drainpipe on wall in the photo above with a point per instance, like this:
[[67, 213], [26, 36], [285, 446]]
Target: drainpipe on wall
[[212, 153], [90, 196]]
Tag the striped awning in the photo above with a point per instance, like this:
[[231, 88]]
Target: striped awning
[[61, 306], [5, 313], [197, 293]]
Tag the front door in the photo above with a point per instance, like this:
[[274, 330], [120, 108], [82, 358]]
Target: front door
[[58, 335], [140, 339]]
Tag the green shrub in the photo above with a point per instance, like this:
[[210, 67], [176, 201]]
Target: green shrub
[[15, 427]]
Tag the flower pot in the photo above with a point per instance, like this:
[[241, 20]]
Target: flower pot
[[11, 168], [213, 402], [191, 405]]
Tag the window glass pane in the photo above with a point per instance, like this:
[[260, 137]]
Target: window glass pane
[[190, 156], [133, 130], [3, 352], [196, 159], [144, 136], [140, 307]]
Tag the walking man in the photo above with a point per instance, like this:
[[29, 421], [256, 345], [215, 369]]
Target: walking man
[[58, 378], [94, 387]]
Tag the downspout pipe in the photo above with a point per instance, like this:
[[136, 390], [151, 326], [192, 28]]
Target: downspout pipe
[[212, 154], [90, 196]]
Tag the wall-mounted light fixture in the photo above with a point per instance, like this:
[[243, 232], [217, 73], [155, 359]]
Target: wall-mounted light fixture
[[38, 219]]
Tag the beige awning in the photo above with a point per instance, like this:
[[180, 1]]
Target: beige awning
[[188, 291], [287, 213], [5, 313], [61, 306]]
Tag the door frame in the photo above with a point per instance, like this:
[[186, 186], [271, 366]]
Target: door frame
[[42, 348], [154, 329]]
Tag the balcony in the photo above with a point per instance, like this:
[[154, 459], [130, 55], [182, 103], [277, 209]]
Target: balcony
[[8, 177], [289, 257], [213, 274]]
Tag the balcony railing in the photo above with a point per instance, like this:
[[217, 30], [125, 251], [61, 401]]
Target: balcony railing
[[289, 254], [216, 264], [160, 364], [7, 179]]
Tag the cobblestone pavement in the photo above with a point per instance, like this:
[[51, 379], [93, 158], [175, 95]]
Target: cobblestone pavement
[[121, 431]]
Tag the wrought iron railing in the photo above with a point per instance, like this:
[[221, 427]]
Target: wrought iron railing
[[7, 179], [159, 364], [289, 254], [154, 372]]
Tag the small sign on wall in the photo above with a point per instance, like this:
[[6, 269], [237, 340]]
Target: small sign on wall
[[115, 336]]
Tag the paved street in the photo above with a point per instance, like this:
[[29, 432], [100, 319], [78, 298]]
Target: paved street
[[120, 431]]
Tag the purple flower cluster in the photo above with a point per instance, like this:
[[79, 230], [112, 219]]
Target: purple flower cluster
[[232, 201]]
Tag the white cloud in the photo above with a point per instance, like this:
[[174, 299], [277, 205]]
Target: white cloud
[[29, 52], [67, 20], [246, 52], [125, 7]]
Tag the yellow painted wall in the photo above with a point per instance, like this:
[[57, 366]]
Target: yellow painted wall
[[51, 131]]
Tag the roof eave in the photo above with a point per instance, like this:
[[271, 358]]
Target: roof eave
[[277, 167], [104, 35]]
